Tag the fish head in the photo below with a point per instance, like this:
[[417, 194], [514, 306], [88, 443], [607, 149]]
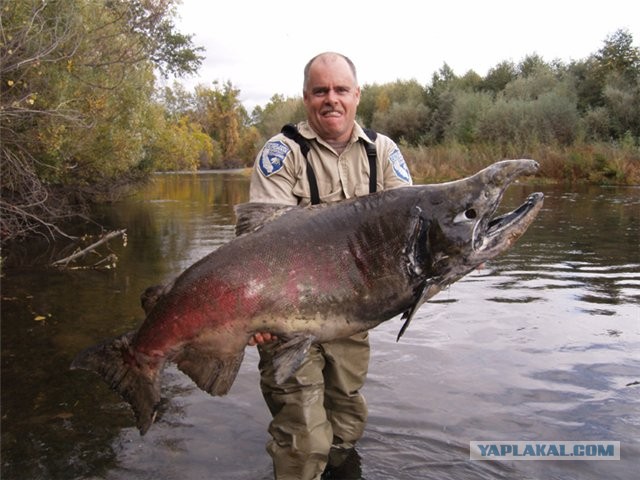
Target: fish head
[[463, 230]]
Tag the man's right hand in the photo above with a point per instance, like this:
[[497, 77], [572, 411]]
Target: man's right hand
[[260, 338]]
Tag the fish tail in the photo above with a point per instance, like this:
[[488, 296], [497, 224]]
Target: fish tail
[[116, 363]]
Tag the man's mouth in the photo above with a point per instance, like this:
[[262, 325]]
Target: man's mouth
[[331, 113]]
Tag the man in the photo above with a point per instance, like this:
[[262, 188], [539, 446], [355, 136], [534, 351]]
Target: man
[[320, 410]]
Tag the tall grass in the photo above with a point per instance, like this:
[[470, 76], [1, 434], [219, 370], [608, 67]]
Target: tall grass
[[600, 163]]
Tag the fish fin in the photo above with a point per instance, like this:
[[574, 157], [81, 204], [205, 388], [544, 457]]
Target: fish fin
[[152, 295], [252, 216], [426, 291], [138, 384], [211, 373], [406, 316], [289, 355]]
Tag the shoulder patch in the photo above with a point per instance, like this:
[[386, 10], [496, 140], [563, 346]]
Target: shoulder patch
[[399, 166], [272, 157]]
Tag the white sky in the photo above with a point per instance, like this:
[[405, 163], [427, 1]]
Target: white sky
[[262, 46]]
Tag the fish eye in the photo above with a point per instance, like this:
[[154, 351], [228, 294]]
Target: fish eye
[[470, 214]]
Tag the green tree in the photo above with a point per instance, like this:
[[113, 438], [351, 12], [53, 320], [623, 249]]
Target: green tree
[[403, 122], [622, 104], [532, 64], [617, 62], [619, 56], [277, 112], [440, 99], [499, 76], [223, 117], [468, 112], [75, 102], [182, 145]]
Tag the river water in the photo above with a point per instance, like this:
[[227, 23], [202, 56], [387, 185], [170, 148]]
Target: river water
[[543, 344]]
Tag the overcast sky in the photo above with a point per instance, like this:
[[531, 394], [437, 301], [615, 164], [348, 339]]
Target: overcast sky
[[262, 46]]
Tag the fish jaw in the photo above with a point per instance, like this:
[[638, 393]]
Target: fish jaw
[[464, 233], [502, 232]]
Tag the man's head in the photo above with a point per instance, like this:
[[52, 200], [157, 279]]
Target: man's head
[[331, 95]]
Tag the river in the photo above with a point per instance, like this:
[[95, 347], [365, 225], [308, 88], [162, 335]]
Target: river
[[543, 344]]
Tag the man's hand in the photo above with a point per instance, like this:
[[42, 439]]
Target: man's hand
[[261, 337]]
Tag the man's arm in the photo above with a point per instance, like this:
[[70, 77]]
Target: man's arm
[[273, 179], [395, 172]]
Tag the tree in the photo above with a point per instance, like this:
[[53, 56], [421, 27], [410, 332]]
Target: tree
[[182, 145], [277, 112], [467, 115], [75, 102], [499, 76], [439, 99], [221, 114], [403, 122], [619, 56], [532, 64]]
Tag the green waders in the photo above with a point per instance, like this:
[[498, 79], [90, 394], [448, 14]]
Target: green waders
[[318, 408]]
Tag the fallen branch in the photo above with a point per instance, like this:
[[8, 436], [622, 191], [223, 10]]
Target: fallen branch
[[65, 261]]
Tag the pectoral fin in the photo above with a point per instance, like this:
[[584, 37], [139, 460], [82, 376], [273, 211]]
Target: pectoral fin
[[426, 291], [289, 355]]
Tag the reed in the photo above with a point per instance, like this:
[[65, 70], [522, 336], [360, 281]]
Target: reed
[[597, 163]]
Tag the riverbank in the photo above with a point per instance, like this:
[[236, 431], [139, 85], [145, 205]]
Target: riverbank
[[594, 163]]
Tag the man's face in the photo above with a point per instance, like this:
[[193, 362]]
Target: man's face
[[331, 98]]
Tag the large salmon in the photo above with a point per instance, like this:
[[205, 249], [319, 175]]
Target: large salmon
[[311, 275]]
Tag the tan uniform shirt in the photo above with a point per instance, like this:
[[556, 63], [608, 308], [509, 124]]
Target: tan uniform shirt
[[280, 172]]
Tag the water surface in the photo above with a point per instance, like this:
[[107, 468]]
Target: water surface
[[542, 344]]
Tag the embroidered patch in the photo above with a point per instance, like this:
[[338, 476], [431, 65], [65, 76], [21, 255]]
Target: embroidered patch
[[400, 166], [272, 157]]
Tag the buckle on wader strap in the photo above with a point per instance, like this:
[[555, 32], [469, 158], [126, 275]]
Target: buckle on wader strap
[[291, 131]]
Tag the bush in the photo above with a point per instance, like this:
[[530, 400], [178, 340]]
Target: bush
[[468, 112], [403, 122]]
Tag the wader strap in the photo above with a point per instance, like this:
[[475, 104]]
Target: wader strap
[[371, 155], [291, 131]]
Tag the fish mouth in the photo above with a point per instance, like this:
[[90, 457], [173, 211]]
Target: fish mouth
[[507, 228]]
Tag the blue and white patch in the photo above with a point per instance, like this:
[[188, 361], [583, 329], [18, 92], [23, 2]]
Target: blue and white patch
[[400, 166], [272, 157]]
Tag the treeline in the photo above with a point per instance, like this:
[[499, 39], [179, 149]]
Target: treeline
[[82, 117], [581, 119]]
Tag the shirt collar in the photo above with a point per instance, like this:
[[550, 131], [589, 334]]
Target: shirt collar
[[309, 133]]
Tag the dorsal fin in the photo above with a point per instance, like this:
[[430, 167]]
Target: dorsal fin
[[251, 216]]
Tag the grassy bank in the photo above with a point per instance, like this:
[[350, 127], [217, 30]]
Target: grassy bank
[[603, 163]]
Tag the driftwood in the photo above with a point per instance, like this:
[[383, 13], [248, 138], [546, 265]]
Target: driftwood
[[65, 261]]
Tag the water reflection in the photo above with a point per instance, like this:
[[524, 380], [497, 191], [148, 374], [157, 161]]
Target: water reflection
[[542, 344]]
